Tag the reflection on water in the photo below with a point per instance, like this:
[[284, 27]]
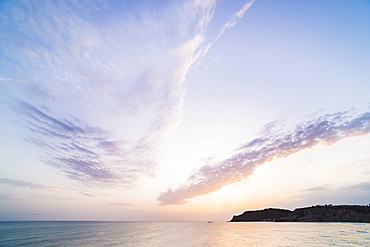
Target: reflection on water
[[183, 234]]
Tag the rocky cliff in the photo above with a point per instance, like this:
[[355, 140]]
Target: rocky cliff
[[325, 213], [270, 214]]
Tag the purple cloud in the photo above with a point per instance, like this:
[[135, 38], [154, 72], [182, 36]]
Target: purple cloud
[[86, 154], [324, 130], [99, 96]]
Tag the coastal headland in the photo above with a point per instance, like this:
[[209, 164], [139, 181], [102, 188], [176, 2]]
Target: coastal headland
[[318, 213]]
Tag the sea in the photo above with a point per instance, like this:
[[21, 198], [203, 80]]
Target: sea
[[63, 233]]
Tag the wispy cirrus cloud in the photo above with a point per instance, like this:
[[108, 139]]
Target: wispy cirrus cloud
[[229, 24], [26, 184], [363, 186], [234, 20], [87, 154], [99, 84], [360, 186], [271, 145], [45, 187]]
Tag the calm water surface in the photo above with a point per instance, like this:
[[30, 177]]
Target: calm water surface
[[183, 234]]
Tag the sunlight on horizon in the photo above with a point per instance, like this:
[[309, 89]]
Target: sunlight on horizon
[[181, 110]]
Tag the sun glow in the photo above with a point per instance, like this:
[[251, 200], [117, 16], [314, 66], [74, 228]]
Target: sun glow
[[189, 109]]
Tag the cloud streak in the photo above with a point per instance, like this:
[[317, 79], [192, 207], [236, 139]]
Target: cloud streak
[[229, 24], [86, 154], [45, 187], [271, 145], [234, 20], [99, 84], [25, 184]]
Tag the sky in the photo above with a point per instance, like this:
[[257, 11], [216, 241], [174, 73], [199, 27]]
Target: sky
[[182, 110]]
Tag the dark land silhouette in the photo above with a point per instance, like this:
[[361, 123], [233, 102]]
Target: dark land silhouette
[[318, 213]]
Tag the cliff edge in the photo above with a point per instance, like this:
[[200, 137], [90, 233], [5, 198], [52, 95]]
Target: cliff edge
[[318, 213]]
